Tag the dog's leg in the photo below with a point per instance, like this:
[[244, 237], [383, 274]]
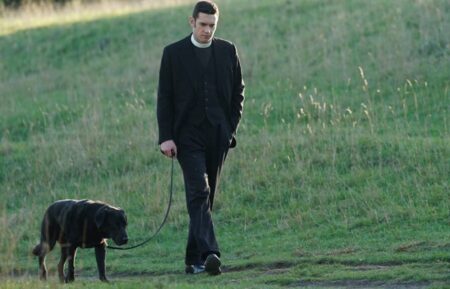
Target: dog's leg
[[40, 251], [62, 261], [45, 245], [42, 268], [100, 254], [70, 277]]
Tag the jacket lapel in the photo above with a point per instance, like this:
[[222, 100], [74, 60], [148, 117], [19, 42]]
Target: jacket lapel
[[189, 61], [217, 53]]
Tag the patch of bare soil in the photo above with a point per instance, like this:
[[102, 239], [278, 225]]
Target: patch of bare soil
[[282, 267], [360, 284]]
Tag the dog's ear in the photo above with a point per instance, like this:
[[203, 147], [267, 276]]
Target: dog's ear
[[100, 217], [122, 212]]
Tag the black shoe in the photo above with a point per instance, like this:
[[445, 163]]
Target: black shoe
[[212, 265], [194, 269]]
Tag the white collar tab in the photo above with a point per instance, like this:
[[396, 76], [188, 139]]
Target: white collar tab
[[198, 44]]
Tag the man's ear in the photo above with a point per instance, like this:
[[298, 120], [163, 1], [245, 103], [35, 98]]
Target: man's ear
[[192, 21], [100, 217]]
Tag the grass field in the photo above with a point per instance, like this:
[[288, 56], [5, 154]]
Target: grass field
[[340, 176]]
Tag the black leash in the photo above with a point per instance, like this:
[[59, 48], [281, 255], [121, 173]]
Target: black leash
[[160, 226]]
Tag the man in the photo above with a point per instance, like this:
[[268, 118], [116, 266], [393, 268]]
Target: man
[[199, 106]]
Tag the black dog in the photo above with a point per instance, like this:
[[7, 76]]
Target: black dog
[[84, 224]]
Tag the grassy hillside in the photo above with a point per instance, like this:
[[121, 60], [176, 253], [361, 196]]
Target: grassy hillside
[[340, 177]]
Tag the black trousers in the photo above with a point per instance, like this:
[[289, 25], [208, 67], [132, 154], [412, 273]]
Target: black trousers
[[202, 150]]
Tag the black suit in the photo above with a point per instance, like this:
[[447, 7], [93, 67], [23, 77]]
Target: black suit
[[199, 108], [177, 85]]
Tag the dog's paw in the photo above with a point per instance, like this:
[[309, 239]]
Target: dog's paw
[[69, 279]]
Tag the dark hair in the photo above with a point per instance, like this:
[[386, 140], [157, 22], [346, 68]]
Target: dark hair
[[207, 7]]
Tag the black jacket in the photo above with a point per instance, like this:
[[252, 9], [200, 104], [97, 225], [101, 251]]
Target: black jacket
[[177, 85]]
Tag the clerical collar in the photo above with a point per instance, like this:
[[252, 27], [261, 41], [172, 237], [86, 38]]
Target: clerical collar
[[198, 44]]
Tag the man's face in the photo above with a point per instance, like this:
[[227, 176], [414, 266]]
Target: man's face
[[204, 26]]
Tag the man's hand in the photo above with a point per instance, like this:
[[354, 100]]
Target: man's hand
[[169, 148]]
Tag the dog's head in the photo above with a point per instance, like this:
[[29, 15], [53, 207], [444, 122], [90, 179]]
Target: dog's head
[[112, 222]]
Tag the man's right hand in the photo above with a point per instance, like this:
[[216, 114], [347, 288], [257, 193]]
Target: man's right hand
[[169, 148]]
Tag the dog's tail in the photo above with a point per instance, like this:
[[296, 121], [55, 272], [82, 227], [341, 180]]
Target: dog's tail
[[43, 247]]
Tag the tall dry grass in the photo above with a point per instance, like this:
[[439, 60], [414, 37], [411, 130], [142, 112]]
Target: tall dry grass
[[42, 14]]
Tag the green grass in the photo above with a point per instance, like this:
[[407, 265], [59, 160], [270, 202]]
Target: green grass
[[340, 177]]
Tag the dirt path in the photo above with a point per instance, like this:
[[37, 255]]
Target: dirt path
[[262, 269]]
